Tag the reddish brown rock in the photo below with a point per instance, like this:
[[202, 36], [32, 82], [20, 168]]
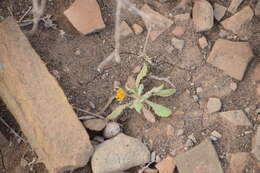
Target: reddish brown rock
[[239, 21], [39, 105], [203, 17], [159, 22], [167, 165], [85, 16], [231, 57]]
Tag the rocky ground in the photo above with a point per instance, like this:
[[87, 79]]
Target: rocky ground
[[209, 50]]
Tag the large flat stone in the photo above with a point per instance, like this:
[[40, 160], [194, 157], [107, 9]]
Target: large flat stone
[[236, 117], [85, 16], [118, 154], [202, 158], [239, 21], [231, 57], [160, 23]]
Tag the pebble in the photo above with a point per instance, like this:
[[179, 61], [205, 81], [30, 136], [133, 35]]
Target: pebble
[[23, 162], [203, 42], [137, 29], [189, 143], [177, 43], [214, 105], [99, 139], [203, 16], [236, 117], [199, 90], [180, 132], [216, 134], [233, 86], [195, 98], [95, 124], [77, 52], [125, 30], [219, 11], [118, 154], [111, 130], [153, 156], [192, 137], [178, 31]]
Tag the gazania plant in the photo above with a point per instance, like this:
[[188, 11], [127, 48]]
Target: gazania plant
[[140, 100]]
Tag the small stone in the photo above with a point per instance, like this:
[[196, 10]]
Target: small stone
[[192, 137], [95, 124], [213, 138], [247, 110], [203, 17], [219, 11], [216, 134], [167, 165], [234, 6], [111, 130], [236, 22], [162, 23], [125, 30], [85, 16], [236, 117], [153, 156], [195, 98], [180, 132], [233, 86], [169, 130], [214, 105], [118, 154], [178, 31], [200, 158], [257, 9], [182, 17], [77, 52], [157, 159], [203, 42], [137, 29], [99, 139], [199, 90], [137, 69], [238, 161], [178, 44], [231, 57], [256, 144]]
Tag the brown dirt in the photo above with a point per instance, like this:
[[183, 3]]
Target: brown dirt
[[83, 85]]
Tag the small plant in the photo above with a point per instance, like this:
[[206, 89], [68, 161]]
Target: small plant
[[140, 101]]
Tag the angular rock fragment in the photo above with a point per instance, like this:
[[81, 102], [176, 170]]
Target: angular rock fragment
[[219, 11], [234, 6], [125, 30], [236, 117], [231, 57]]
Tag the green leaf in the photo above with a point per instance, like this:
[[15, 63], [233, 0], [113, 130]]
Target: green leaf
[[159, 110], [117, 112], [141, 75], [140, 89], [152, 91], [137, 104], [166, 92]]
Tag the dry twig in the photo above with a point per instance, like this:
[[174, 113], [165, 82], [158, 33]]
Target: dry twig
[[165, 79], [89, 113]]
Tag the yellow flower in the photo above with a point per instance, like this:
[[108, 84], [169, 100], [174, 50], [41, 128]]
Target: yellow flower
[[120, 94]]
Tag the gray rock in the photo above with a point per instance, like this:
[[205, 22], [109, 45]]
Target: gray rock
[[219, 11], [233, 86], [236, 117], [111, 130], [118, 154], [234, 6], [180, 132], [231, 57], [189, 143], [95, 124], [214, 105], [215, 135], [177, 43], [200, 158], [203, 16], [256, 144]]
